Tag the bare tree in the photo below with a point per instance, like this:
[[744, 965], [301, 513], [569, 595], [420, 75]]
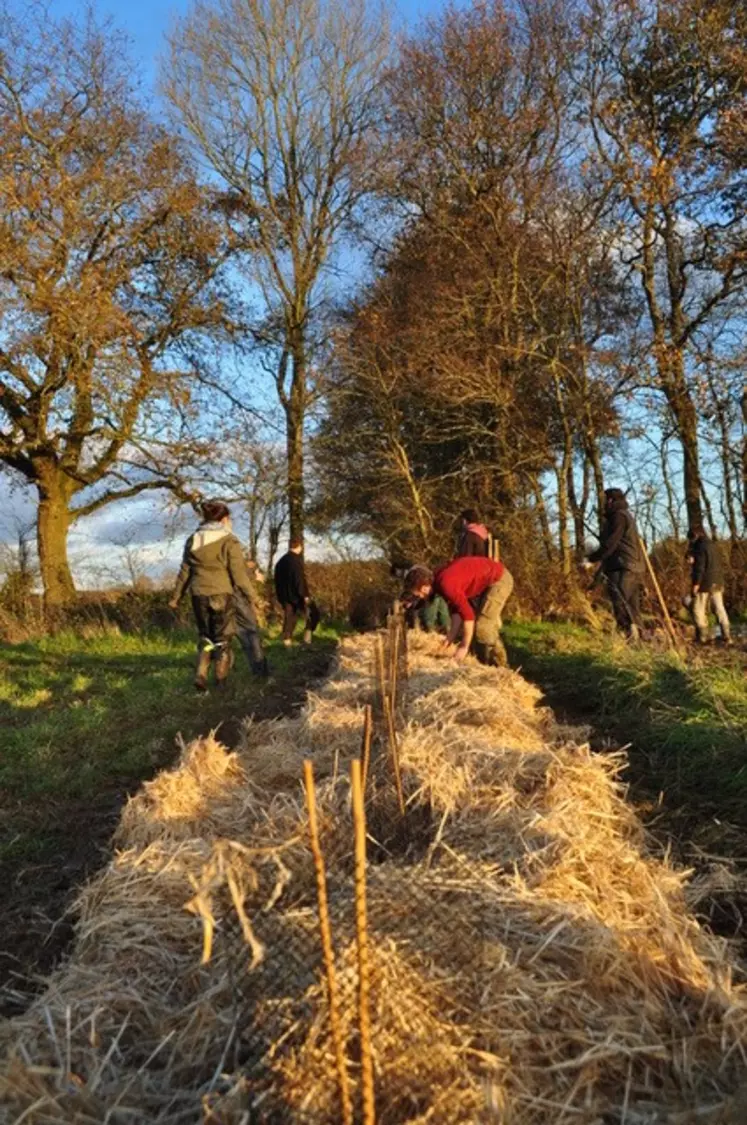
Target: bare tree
[[278, 97], [666, 88], [107, 253]]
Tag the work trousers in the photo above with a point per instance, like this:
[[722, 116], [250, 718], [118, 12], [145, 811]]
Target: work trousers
[[291, 615], [700, 607], [488, 643], [625, 589], [216, 620], [247, 629]]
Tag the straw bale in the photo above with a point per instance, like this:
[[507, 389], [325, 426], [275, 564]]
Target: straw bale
[[196, 797], [532, 962]]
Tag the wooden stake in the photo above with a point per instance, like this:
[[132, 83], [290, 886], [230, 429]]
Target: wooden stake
[[380, 673], [394, 667], [667, 619], [361, 929], [405, 652], [346, 1104], [394, 751], [366, 747]]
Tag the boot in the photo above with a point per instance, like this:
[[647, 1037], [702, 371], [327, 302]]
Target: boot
[[223, 664], [701, 636], [307, 636], [261, 669], [634, 634], [203, 667]]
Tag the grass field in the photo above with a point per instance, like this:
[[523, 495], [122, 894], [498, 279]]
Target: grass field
[[83, 721], [686, 718], [82, 716]]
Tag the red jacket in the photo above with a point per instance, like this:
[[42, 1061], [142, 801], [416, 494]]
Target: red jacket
[[466, 578]]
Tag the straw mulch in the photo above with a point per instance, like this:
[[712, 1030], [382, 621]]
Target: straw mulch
[[530, 963]]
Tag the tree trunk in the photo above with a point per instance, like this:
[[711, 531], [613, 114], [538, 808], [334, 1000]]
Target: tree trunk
[[578, 510], [671, 367], [564, 539], [544, 522], [729, 507], [294, 412], [671, 501], [712, 525], [52, 526], [744, 459]]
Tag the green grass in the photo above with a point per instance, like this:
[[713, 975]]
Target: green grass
[[686, 718], [79, 717]]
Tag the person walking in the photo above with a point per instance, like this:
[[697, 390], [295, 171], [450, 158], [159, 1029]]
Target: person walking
[[622, 562], [292, 592], [247, 630], [475, 590], [213, 569], [706, 585], [474, 537]]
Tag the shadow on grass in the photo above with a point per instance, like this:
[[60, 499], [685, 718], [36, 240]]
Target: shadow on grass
[[684, 724]]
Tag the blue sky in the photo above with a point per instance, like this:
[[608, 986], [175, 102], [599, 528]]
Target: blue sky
[[147, 21], [97, 545]]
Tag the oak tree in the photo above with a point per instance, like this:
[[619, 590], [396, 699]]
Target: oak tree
[[108, 254]]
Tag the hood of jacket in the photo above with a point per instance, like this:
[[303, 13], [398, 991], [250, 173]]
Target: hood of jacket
[[616, 502], [478, 529], [208, 533]]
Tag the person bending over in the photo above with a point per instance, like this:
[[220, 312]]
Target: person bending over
[[475, 590], [213, 569]]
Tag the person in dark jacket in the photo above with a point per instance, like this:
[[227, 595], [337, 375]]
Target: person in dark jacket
[[292, 591], [475, 590], [622, 562], [213, 569], [474, 537], [706, 585], [247, 630]]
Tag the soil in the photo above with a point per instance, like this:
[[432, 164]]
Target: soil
[[36, 923]]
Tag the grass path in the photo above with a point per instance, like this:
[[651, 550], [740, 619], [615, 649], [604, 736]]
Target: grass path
[[82, 723], [685, 718]]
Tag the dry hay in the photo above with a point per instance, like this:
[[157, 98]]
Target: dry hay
[[530, 962]]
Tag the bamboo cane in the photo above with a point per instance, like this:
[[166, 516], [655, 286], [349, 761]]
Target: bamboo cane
[[394, 751], [366, 747], [364, 1021], [394, 667], [346, 1104], [380, 673]]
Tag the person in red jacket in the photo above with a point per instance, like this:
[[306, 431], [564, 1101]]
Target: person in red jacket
[[475, 590]]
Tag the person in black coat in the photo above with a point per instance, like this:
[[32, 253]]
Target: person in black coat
[[292, 591], [706, 585], [622, 562]]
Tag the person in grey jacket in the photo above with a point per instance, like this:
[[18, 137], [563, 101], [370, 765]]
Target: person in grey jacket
[[214, 571]]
